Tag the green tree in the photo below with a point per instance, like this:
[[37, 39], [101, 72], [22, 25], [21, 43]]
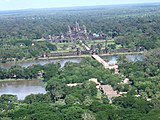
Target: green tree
[[56, 89]]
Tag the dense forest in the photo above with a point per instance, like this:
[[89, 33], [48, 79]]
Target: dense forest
[[129, 26], [84, 102]]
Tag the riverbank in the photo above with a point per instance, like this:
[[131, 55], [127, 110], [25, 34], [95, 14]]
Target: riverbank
[[83, 56], [15, 80], [22, 88], [61, 59], [73, 56], [64, 57], [127, 53]]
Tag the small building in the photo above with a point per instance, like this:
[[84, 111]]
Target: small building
[[126, 81], [108, 90], [94, 80]]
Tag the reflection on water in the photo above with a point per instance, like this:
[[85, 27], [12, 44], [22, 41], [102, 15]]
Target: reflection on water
[[22, 88], [40, 62], [110, 59], [114, 59], [134, 57]]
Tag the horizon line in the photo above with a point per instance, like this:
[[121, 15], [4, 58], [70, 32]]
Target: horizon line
[[73, 7]]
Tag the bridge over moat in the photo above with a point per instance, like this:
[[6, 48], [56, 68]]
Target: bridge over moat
[[105, 64], [100, 60]]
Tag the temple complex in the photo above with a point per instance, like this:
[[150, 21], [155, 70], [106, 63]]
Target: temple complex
[[75, 33]]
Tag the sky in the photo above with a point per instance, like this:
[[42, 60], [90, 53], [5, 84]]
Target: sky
[[31, 4]]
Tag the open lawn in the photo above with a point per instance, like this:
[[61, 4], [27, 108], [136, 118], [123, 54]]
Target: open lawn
[[66, 47]]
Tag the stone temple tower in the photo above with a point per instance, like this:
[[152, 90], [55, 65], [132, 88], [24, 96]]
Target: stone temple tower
[[69, 30], [77, 27], [85, 30]]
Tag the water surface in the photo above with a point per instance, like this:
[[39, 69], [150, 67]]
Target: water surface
[[114, 59], [110, 59], [22, 88], [39, 62]]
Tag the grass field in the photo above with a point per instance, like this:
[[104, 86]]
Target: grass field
[[65, 47]]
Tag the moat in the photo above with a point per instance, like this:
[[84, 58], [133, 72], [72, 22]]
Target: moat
[[110, 59], [23, 88]]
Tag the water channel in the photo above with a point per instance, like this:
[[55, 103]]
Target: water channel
[[26, 87]]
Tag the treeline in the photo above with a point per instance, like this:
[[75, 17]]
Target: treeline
[[78, 103], [31, 72], [21, 49], [84, 101], [70, 73], [140, 21], [145, 76], [131, 27]]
